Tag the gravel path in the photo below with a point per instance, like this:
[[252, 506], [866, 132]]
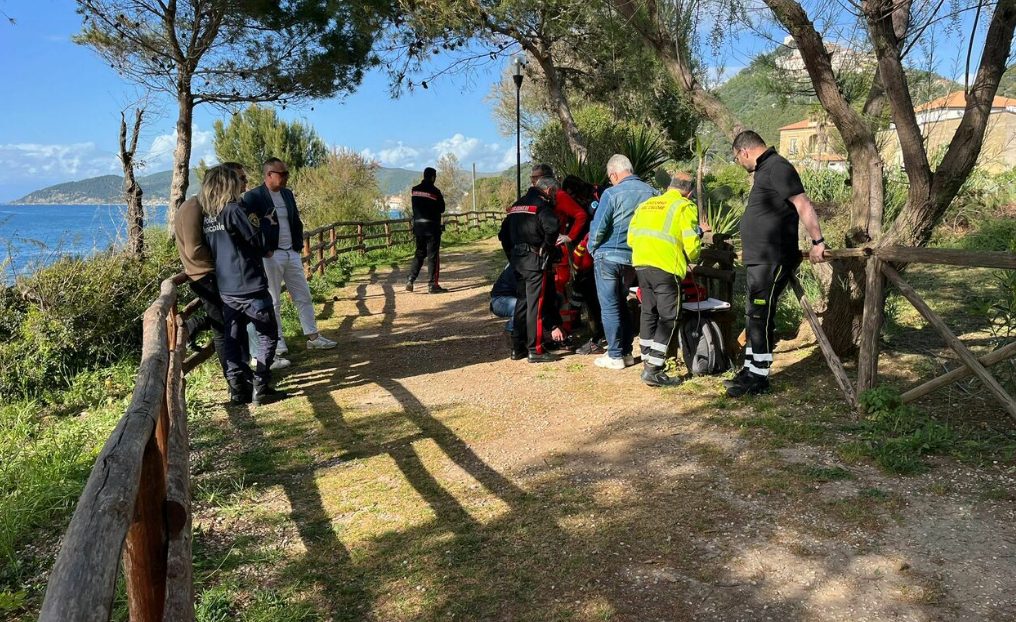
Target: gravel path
[[511, 491]]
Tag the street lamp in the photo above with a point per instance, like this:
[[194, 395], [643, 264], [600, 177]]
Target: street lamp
[[518, 64]]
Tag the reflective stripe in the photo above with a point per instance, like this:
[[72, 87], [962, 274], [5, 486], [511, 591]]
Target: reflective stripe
[[747, 351], [690, 233], [761, 358], [761, 371], [652, 233], [648, 343], [653, 360], [671, 212]]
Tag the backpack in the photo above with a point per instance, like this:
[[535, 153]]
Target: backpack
[[702, 345]]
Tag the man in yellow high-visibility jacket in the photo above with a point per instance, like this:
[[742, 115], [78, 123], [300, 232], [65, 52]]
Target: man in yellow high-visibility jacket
[[664, 236]]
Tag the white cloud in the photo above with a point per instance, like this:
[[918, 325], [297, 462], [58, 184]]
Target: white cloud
[[159, 156], [25, 162], [488, 157], [395, 155]]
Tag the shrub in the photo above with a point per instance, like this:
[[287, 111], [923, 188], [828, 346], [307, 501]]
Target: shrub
[[343, 188], [77, 314], [896, 436]]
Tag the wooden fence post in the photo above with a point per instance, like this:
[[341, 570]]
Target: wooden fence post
[[306, 256], [359, 236], [331, 231], [871, 326], [144, 555], [388, 233], [321, 252]]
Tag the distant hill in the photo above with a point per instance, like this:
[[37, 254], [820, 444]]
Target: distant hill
[[105, 190], [108, 189], [395, 180], [751, 96]]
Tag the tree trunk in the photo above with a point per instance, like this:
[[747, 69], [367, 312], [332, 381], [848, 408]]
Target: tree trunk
[[181, 155], [558, 99], [132, 191]]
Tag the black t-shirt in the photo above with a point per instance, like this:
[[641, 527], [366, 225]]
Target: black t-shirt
[[769, 225]]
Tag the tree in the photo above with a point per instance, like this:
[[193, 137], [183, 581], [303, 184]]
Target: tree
[[343, 187], [132, 191], [224, 52], [668, 27], [256, 134], [451, 179]]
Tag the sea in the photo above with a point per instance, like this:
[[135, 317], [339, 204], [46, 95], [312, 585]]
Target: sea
[[32, 236]]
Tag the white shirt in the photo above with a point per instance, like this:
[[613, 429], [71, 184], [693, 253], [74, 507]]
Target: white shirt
[[282, 213]]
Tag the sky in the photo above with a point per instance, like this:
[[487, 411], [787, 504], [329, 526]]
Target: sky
[[61, 112]]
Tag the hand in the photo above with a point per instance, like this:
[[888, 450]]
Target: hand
[[269, 253], [563, 239], [557, 334], [817, 254]]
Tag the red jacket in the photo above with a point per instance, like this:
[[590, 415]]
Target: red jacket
[[567, 210]]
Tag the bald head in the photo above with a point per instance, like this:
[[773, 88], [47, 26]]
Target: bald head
[[683, 183]]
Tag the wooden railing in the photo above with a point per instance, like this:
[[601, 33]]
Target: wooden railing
[[879, 271], [324, 245], [136, 503], [137, 498]]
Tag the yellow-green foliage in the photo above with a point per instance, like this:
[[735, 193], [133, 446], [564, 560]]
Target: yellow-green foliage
[[342, 188]]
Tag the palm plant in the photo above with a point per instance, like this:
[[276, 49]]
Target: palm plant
[[646, 151], [725, 217]]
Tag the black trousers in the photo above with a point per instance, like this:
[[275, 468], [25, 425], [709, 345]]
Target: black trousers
[[238, 311], [766, 283], [661, 303], [207, 292], [533, 288], [585, 285], [428, 244]]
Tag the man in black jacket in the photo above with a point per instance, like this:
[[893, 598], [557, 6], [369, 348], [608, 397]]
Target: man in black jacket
[[528, 236], [428, 205], [283, 229]]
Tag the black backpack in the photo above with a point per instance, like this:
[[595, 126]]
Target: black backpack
[[702, 344]]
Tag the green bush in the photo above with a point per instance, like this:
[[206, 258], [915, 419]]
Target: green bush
[[825, 185], [896, 436], [77, 314]]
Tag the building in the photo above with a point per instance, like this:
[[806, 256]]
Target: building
[[812, 145], [938, 120]]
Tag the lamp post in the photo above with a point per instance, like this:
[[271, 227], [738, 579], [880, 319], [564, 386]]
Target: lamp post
[[518, 64]]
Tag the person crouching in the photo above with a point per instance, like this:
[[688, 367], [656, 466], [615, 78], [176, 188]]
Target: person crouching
[[233, 235]]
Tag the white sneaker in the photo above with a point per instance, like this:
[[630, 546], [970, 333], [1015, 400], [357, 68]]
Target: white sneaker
[[321, 343], [278, 363], [607, 362]]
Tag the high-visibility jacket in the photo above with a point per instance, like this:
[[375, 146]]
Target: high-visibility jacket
[[664, 233]]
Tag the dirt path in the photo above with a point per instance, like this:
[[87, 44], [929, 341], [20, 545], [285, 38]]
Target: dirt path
[[421, 475]]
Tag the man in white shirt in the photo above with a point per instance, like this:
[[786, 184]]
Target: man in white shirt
[[283, 231]]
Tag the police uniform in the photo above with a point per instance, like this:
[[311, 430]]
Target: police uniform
[[237, 245], [528, 236], [428, 205]]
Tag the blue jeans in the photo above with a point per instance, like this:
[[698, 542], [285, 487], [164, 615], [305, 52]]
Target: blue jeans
[[612, 281], [504, 306]]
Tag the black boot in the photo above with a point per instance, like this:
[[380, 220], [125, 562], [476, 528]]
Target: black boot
[[656, 376], [409, 285], [436, 289], [240, 391], [738, 377], [265, 394], [749, 384], [545, 357]]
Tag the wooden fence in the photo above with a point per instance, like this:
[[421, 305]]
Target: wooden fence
[[322, 246], [136, 502], [879, 271]]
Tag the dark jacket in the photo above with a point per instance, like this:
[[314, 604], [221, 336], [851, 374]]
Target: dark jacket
[[529, 232], [237, 245], [260, 201], [428, 205]]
